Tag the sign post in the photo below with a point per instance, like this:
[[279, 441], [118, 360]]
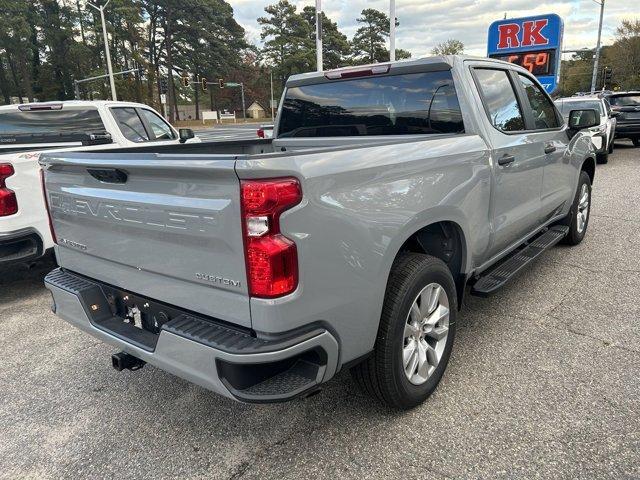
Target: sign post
[[534, 43]]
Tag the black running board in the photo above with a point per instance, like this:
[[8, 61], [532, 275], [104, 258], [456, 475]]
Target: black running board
[[497, 277]]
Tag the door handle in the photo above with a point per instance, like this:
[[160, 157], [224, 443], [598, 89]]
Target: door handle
[[549, 148], [506, 160]]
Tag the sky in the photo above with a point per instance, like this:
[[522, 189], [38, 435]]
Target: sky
[[425, 23]]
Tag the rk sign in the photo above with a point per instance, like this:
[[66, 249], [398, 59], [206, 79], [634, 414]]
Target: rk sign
[[534, 43]]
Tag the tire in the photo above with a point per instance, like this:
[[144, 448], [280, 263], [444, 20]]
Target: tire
[[577, 228], [602, 158], [611, 146], [636, 142], [383, 374]]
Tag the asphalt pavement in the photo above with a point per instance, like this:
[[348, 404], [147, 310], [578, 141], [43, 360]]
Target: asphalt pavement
[[544, 382]]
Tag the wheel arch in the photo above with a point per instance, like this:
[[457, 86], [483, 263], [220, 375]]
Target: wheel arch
[[589, 166], [443, 239]]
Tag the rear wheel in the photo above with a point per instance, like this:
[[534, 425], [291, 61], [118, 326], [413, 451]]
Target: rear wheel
[[602, 158], [578, 219], [611, 146], [636, 142], [416, 333]]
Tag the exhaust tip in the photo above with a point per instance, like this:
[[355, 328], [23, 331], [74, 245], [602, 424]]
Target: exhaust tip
[[123, 361]]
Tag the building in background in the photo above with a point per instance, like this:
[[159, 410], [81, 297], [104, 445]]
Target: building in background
[[256, 110]]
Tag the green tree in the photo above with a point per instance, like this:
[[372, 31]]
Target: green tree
[[288, 48], [209, 44], [16, 47], [450, 47], [624, 55], [369, 41], [335, 45], [369, 44]]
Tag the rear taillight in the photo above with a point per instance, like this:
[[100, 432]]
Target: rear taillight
[[260, 133], [46, 202], [271, 258], [8, 200]]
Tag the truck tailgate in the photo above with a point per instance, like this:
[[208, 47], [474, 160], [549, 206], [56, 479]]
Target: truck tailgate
[[161, 226]]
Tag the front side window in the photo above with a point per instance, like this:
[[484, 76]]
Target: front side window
[[130, 124], [404, 104], [544, 113], [161, 130], [500, 99]]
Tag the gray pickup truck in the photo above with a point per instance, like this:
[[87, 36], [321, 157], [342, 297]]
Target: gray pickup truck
[[259, 269]]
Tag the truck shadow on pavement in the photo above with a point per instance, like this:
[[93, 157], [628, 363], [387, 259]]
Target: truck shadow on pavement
[[21, 280]]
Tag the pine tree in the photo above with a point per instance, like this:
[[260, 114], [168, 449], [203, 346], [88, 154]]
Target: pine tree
[[335, 45], [288, 47]]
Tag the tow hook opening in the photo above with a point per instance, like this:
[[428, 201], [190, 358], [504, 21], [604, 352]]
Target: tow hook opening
[[122, 360]]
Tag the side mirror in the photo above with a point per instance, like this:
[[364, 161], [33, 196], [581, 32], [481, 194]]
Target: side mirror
[[185, 134], [580, 119], [615, 113]]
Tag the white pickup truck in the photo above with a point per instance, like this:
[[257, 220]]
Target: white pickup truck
[[29, 129]]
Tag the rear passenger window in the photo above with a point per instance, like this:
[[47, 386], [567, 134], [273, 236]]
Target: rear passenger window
[[500, 99], [544, 113], [130, 124]]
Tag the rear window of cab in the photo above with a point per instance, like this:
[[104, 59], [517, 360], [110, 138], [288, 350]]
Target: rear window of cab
[[405, 104]]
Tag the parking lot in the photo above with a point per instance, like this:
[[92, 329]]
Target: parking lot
[[544, 381]]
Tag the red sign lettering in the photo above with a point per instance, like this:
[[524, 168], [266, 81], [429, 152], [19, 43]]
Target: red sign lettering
[[531, 32], [508, 35]]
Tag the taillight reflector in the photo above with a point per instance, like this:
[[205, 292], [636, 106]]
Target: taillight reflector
[[8, 200], [271, 258]]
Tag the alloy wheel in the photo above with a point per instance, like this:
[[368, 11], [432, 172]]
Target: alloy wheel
[[583, 208], [425, 333]]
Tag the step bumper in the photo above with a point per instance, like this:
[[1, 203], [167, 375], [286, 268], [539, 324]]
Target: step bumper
[[219, 358]]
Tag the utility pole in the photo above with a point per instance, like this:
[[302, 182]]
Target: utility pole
[[114, 97], [597, 56], [392, 31], [272, 113], [319, 34], [244, 108]]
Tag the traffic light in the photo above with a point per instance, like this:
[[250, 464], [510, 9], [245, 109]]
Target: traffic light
[[163, 85], [608, 74], [203, 81], [185, 80], [221, 82]]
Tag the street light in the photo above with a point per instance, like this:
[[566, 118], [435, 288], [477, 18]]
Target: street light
[[319, 35], [114, 97], [392, 30], [597, 57]]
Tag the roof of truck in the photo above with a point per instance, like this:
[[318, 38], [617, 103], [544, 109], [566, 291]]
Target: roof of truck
[[72, 103], [437, 61]]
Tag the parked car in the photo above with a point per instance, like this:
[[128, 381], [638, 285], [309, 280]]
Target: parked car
[[260, 268], [27, 130], [627, 106], [265, 131], [602, 135]]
